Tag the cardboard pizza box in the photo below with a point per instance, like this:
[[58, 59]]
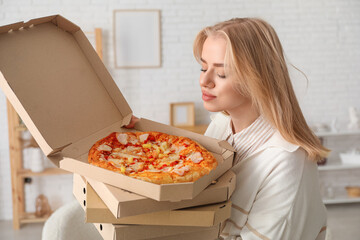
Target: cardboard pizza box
[[133, 232], [123, 203], [203, 216], [96, 210], [141, 232], [68, 100], [79, 190]]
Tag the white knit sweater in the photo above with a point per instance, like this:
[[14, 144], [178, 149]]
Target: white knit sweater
[[277, 193]]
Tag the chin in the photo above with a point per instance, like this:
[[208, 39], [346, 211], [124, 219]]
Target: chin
[[212, 108]]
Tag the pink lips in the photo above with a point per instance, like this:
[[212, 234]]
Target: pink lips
[[207, 97]]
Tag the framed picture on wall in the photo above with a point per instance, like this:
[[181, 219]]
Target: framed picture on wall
[[182, 114], [137, 38]]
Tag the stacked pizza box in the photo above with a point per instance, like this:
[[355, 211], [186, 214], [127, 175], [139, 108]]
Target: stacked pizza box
[[67, 99]]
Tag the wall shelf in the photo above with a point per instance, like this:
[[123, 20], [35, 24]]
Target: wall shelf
[[18, 173], [337, 166], [48, 171], [336, 134], [341, 200], [31, 218]]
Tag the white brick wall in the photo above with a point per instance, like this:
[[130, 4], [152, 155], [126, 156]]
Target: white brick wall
[[320, 37]]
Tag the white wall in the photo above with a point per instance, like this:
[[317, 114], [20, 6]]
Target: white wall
[[320, 37]]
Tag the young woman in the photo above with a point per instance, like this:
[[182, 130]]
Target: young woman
[[244, 78]]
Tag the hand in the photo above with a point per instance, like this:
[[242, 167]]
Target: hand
[[132, 122]]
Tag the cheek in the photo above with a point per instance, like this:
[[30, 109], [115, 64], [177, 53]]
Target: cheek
[[230, 97]]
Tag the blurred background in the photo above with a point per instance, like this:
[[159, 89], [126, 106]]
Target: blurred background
[[320, 37]]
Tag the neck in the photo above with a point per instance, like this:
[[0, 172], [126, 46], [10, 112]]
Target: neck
[[242, 119]]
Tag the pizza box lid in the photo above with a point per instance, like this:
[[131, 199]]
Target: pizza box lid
[[140, 232], [203, 216], [123, 203], [57, 83], [68, 100]]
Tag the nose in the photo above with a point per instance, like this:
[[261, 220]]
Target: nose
[[206, 80]]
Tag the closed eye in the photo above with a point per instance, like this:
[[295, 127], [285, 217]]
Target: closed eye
[[203, 70]]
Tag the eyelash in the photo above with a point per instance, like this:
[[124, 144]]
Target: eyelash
[[220, 76]]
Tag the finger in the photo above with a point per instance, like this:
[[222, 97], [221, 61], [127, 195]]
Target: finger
[[132, 123]]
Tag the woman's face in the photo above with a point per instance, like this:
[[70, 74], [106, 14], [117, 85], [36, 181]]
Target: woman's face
[[217, 89]]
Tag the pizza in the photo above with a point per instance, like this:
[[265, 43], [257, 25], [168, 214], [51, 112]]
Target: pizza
[[152, 156]]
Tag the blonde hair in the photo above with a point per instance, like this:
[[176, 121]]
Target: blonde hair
[[254, 56]]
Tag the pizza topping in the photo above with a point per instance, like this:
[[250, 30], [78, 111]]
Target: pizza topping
[[121, 155], [138, 166], [129, 170], [133, 149], [167, 169], [143, 137], [122, 138], [196, 157], [104, 147], [153, 170], [116, 162], [130, 160], [164, 146], [133, 140], [174, 157], [157, 149], [180, 171], [177, 149], [147, 145]]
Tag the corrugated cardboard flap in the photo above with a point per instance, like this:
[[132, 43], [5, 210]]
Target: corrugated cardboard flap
[[57, 83]]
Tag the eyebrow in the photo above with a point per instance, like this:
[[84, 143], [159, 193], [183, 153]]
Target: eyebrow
[[215, 64]]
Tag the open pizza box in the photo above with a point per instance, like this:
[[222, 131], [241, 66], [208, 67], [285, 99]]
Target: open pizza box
[[67, 99], [203, 216], [124, 203], [148, 232], [121, 204]]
